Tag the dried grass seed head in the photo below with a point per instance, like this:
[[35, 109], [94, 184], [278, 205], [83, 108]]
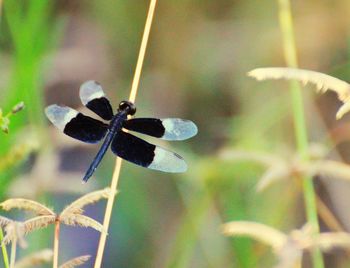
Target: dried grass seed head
[[39, 222], [35, 259], [81, 220], [322, 81], [261, 232], [76, 262], [4, 221], [15, 231], [288, 248], [26, 204], [77, 206]]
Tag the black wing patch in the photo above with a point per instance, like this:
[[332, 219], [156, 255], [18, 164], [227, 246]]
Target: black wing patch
[[167, 128], [93, 97], [86, 129], [149, 126], [133, 149], [144, 154], [101, 107]]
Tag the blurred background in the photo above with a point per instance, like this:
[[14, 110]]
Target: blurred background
[[195, 68]]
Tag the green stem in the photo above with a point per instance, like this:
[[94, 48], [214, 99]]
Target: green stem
[[286, 24], [4, 250]]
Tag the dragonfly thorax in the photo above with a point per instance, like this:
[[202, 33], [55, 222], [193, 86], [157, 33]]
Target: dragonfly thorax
[[128, 107]]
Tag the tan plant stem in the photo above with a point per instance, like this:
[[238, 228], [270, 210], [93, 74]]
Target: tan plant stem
[[13, 252], [286, 24], [328, 217], [56, 244], [132, 98], [144, 42]]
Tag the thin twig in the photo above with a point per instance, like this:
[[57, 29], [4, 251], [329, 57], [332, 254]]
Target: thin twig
[[136, 80], [327, 216], [56, 244], [118, 164], [13, 252]]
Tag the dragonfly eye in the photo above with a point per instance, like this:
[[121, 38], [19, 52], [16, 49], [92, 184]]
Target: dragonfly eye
[[127, 106]]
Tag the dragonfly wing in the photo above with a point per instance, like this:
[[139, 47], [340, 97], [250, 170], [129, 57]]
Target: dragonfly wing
[[167, 129], [147, 155], [93, 97], [75, 124]]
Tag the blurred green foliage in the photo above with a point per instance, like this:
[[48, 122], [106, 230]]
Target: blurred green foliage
[[28, 35]]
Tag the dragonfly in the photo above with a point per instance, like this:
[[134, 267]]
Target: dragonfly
[[112, 130]]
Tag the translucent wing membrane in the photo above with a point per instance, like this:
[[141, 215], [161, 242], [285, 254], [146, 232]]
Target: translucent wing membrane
[[167, 129], [145, 154], [60, 116], [75, 124], [93, 97]]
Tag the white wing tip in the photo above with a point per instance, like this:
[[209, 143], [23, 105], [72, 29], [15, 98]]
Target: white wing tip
[[60, 115], [167, 161], [194, 128], [90, 90], [178, 129], [183, 167], [51, 111]]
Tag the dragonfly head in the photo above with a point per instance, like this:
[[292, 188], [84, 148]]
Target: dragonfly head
[[127, 106]]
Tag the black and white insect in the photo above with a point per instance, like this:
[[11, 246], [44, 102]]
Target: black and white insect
[[123, 144]]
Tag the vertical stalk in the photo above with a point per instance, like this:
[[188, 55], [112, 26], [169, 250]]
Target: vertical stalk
[[56, 244], [132, 97], [286, 24], [3, 249], [13, 252]]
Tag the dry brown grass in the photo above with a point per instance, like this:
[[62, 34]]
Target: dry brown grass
[[288, 247], [72, 215], [76, 262], [35, 259], [322, 81]]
